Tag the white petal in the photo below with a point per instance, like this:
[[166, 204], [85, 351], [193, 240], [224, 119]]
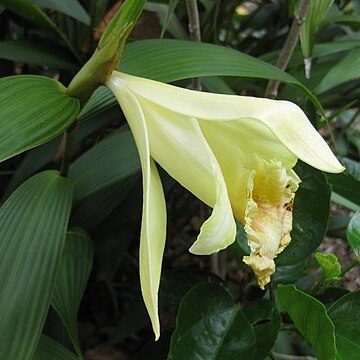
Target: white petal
[[153, 226], [285, 119], [178, 145]]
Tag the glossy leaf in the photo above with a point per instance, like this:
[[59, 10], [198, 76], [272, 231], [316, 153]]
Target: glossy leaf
[[314, 17], [311, 212], [33, 110], [330, 266], [71, 280], [353, 233], [50, 349], [210, 326], [33, 224], [266, 321], [69, 7], [310, 317], [345, 315], [343, 71]]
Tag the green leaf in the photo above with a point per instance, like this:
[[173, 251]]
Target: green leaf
[[343, 71], [310, 317], [167, 19], [175, 283], [345, 314], [37, 53], [33, 224], [33, 110], [330, 266], [71, 280], [350, 20], [290, 274], [210, 326], [345, 185], [170, 12], [311, 212], [266, 322], [171, 60], [69, 7], [107, 163], [50, 349], [342, 201], [353, 233], [31, 12], [135, 319], [314, 17], [93, 209]]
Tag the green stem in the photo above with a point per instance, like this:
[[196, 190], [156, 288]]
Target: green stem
[[69, 142]]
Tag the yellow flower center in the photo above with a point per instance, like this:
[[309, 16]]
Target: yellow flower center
[[268, 215]]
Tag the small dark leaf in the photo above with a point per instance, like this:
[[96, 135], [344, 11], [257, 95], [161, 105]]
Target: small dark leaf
[[210, 326]]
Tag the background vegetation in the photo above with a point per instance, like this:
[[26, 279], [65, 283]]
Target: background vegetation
[[210, 307]]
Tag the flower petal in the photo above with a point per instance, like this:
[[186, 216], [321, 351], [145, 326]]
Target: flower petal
[[153, 226], [285, 119], [178, 145]]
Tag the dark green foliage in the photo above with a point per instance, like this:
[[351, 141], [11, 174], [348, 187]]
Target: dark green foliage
[[82, 279]]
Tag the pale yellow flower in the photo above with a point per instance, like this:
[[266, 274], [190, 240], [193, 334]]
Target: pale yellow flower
[[235, 153]]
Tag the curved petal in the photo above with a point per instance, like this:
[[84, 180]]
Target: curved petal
[[153, 226], [284, 119], [178, 145]]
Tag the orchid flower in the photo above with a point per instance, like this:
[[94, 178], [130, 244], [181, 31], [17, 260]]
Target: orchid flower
[[235, 153]]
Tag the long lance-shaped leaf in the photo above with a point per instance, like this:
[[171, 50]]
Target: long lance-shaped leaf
[[33, 224], [33, 110], [71, 281], [50, 349], [172, 60]]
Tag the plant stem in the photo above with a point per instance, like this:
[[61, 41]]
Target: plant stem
[[349, 266], [289, 46], [194, 31], [69, 141]]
